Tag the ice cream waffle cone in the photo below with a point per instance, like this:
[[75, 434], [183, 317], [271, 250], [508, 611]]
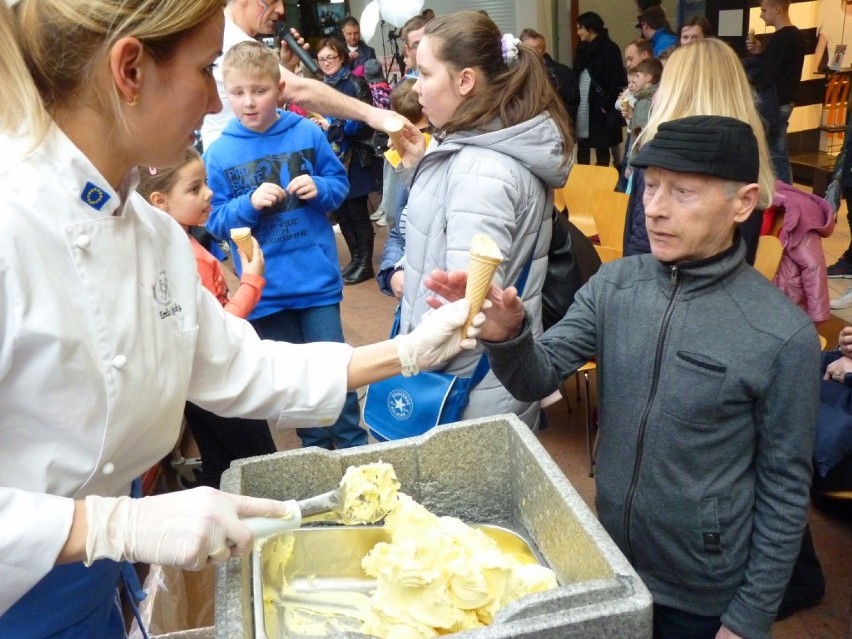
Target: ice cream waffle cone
[[485, 257], [242, 238], [393, 127]]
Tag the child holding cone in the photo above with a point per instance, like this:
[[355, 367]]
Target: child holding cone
[[182, 192], [274, 172], [501, 143]]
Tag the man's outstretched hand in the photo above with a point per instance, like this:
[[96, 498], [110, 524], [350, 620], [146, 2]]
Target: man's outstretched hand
[[503, 310]]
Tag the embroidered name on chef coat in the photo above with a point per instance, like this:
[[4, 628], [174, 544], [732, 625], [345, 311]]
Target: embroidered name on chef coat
[[94, 196]]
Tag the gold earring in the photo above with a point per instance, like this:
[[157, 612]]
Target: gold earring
[[134, 100]]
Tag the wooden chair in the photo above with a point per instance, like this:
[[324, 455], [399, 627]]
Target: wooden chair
[[591, 426], [609, 209], [584, 180], [608, 254], [768, 256]]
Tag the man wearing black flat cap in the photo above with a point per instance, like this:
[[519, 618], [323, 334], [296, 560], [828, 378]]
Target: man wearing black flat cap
[[707, 390]]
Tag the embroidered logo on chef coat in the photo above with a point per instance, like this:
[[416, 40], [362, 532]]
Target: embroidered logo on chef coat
[[94, 196], [400, 404], [163, 296], [162, 293]]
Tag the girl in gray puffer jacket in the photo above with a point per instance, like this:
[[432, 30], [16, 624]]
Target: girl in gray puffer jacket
[[502, 143]]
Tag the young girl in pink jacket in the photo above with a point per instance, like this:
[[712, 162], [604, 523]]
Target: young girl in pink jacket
[[182, 192]]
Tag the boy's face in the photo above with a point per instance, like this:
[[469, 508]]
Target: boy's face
[[253, 98], [769, 12], [631, 82], [641, 81]]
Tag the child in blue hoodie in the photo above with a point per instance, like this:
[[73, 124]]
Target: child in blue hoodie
[[274, 171]]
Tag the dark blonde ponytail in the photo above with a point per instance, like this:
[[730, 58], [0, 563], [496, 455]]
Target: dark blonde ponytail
[[517, 88]]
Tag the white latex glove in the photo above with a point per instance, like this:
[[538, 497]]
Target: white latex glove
[[438, 337], [185, 529]]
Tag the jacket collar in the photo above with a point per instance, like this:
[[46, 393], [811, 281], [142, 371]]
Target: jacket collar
[[82, 182], [697, 275]]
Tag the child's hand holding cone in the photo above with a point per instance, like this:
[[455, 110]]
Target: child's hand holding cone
[[242, 238]]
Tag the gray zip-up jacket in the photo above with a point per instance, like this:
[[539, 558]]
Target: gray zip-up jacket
[[708, 392], [496, 183]]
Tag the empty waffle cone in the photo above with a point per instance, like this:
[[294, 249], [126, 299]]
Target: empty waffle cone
[[393, 127], [242, 238], [485, 257]]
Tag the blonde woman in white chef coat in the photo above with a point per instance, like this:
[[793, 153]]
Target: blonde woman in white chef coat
[[105, 329]]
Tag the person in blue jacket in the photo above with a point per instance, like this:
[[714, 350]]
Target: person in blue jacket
[[655, 28], [274, 172]]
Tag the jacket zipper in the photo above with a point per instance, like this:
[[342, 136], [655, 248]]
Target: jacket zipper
[[677, 283]]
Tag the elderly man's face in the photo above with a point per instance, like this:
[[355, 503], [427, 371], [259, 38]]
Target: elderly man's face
[[690, 216], [536, 43], [263, 14]]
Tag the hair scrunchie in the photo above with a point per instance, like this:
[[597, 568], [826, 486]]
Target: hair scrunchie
[[509, 46]]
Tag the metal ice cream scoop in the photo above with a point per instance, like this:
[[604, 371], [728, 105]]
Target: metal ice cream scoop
[[317, 505], [366, 494]]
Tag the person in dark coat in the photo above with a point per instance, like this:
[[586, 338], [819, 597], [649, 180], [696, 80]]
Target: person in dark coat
[[358, 51], [561, 76], [601, 75], [350, 141]]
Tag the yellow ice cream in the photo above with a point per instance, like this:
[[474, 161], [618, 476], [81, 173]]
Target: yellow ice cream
[[242, 238], [438, 575], [435, 576], [367, 493], [483, 246]]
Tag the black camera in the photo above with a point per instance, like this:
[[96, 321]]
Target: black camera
[[393, 35]]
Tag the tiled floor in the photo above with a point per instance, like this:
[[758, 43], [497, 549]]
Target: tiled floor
[[367, 318]]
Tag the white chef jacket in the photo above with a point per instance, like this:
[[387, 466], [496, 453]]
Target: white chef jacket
[[105, 332]]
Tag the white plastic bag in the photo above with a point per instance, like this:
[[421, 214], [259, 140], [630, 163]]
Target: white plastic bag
[[179, 602]]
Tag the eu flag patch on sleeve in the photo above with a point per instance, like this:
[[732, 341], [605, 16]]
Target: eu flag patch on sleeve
[[94, 196]]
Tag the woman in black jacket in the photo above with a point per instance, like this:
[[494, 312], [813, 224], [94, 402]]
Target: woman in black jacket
[[598, 66]]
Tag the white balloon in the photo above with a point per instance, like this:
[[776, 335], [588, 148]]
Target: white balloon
[[369, 20], [398, 12]]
